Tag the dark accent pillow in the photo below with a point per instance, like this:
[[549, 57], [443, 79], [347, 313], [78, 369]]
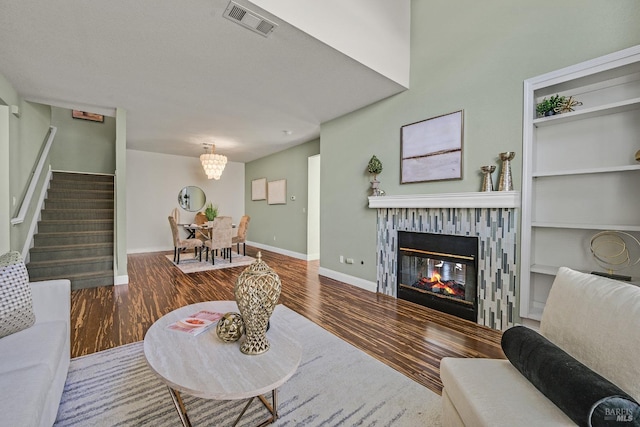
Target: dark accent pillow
[[586, 397]]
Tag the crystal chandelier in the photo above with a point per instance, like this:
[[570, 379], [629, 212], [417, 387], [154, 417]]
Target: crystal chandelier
[[213, 164]]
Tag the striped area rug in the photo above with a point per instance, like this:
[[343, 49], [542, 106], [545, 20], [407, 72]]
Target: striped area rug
[[335, 385]]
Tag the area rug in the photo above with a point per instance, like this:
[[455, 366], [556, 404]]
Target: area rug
[[189, 264], [335, 385]]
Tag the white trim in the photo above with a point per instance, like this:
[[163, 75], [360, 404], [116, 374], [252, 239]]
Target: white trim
[[146, 250], [592, 66], [36, 217], [26, 201], [489, 199], [121, 280], [286, 252], [367, 285]]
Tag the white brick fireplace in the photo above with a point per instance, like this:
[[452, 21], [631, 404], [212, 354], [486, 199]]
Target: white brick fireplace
[[491, 216]]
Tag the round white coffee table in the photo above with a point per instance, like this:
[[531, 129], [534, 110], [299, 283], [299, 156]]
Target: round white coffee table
[[204, 366]]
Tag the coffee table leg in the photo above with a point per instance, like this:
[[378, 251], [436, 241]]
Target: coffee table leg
[[273, 408], [182, 411]]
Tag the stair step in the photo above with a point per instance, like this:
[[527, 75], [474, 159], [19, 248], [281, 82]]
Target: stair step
[[47, 253], [64, 225], [79, 204], [62, 267], [83, 280], [82, 185], [81, 177], [73, 238], [77, 214], [54, 193]]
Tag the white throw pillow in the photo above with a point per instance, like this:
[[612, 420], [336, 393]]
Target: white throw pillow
[[16, 305]]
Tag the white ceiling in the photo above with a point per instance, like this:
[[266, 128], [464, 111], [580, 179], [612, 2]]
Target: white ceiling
[[184, 74]]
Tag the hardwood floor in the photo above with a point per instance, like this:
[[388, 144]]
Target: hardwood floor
[[410, 338]]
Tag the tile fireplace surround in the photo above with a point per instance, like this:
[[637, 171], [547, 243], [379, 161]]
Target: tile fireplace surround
[[491, 216]]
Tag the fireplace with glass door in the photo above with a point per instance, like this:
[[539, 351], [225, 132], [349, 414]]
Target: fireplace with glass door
[[439, 271]]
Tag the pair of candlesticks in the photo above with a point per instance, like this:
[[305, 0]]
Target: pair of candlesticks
[[505, 181]]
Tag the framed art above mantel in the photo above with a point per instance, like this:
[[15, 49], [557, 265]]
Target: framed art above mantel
[[431, 150]]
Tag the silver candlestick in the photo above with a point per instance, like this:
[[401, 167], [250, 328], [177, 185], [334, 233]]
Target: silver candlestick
[[505, 182], [487, 182]]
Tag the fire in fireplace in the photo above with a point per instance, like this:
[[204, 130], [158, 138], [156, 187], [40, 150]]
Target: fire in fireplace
[[439, 271]]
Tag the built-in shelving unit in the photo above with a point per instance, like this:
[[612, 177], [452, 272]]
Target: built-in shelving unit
[[580, 175]]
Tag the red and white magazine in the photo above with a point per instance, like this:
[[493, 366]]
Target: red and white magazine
[[197, 323]]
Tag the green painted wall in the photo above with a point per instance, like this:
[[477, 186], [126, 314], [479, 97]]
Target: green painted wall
[[288, 222], [465, 55], [82, 145]]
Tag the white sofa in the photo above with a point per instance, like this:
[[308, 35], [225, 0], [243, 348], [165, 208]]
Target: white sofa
[[34, 362], [593, 319]]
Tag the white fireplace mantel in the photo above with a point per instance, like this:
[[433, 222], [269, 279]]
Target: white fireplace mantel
[[488, 199]]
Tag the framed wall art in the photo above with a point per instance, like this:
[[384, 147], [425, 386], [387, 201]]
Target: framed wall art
[[277, 192], [77, 114], [431, 150], [259, 189]]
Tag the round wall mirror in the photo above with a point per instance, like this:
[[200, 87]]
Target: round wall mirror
[[191, 198]]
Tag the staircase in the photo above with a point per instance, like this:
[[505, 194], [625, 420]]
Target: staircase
[[75, 233]]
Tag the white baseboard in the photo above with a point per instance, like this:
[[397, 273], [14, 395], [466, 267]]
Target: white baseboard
[[145, 250], [121, 280], [351, 280], [286, 252]]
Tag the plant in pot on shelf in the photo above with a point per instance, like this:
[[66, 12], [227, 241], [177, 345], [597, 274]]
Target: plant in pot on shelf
[[374, 168], [211, 212], [551, 106]]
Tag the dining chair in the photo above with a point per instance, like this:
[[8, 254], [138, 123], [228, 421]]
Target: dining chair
[[201, 219], [221, 236], [180, 244], [241, 237]]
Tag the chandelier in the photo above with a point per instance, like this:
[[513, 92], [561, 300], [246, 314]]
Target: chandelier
[[213, 164]]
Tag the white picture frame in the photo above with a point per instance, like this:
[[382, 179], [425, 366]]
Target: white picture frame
[[431, 150], [259, 189], [277, 192]]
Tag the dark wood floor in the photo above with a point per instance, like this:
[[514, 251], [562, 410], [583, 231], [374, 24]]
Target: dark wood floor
[[403, 335]]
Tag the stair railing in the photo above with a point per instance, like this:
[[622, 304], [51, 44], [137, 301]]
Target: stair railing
[[35, 178]]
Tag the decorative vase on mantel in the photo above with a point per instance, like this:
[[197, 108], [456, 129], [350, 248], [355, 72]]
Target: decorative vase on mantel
[[487, 182], [505, 182], [375, 187], [256, 291]]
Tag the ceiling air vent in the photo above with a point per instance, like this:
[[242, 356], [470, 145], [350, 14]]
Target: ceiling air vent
[[249, 19]]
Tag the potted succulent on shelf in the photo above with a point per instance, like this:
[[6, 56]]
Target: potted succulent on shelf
[[551, 106], [211, 212], [374, 168]]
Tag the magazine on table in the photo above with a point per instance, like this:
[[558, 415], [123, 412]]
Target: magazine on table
[[197, 323]]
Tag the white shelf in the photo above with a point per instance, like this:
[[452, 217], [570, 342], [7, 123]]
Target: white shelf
[[612, 169], [587, 113], [535, 313], [594, 154], [613, 227], [549, 270]]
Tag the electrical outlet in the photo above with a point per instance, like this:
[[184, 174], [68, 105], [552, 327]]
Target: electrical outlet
[[341, 259], [349, 260], [274, 238]]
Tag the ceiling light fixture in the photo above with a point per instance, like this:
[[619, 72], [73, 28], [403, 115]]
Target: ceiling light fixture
[[213, 164]]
